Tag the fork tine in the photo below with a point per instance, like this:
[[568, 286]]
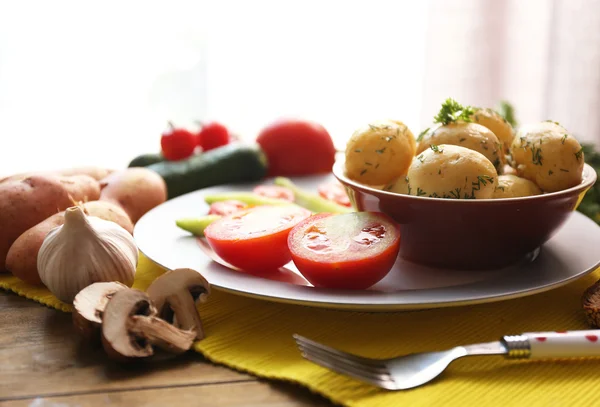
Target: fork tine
[[376, 381], [349, 356], [379, 370]]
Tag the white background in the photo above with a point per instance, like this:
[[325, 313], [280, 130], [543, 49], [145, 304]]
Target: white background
[[94, 83]]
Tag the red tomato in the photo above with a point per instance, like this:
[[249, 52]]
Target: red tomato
[[223, 208], [351, 251], [274, 191], [213, 135], [334, 191], [177, 144], [296, 147], [255, 239]]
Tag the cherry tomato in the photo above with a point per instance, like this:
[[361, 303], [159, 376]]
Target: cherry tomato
[[255, 239], [350, 251], [334, 191], [274, 191], [297, 147], [177, 144], [213, 135], [223, 208]]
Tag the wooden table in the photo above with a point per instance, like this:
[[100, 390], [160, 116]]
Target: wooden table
[[44, 363]]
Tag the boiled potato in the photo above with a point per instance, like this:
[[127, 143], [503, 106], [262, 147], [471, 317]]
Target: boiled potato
[[512, 186], [497, 124], [469, 135], [455, 172], [379, 153], [546, 154], [399, 186]]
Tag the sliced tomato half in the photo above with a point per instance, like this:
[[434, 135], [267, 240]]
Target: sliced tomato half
[[351, 251], [334, 191], [255, 239], [223, 208], [275, 191]]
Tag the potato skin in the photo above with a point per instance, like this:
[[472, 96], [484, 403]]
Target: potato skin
[[136, 190], [25, 203], [546, 154], [512, 186], [21, 259], [96, 173], [497, 124], [399, 186], [469, 135], [379, 153], [452, 172]]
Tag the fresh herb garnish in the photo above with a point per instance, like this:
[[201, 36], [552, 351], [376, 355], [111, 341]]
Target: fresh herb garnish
[[436, 149], [363, 172], [536, 155], [579, 154], [550, 172], [381, 150], [563, 170], [507, 111], [368, 163], [420, 158], [420, 192], [564, 138], [462, 139], [422, 134], [434, 195], [452, 111], [455, 193], [358, 150]]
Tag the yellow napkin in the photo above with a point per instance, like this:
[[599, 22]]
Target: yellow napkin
[[256, 336]]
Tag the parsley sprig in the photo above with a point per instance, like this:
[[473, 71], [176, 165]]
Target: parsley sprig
[[452, 111]]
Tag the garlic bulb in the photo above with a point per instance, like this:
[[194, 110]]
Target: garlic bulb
[[83, 251]]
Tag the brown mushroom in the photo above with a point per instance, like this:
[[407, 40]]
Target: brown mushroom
[[591, 304], [175, 295], [131, 327], [89, 305]]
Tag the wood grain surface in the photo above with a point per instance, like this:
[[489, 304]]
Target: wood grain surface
[[43, 363]]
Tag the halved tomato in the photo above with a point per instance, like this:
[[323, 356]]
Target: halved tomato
[[255, 239], [275, 191], [223, 208], [351, 250], [334, 191]]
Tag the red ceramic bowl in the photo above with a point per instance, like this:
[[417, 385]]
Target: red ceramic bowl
[[469, 234]]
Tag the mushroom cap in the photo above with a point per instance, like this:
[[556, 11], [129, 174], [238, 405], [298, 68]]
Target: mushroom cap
[[89, 305], [174, 281], [118, 342]]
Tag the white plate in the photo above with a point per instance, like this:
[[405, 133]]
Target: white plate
[[570, 254]]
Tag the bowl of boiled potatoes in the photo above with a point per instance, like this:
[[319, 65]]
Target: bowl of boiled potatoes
[[471, 191]]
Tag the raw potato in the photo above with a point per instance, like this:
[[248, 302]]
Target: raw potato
[[21, 259], [136, 190], [469, 135], [497, 124], [379, 153], [548, 155], [453, 172], [95, 172], [25, 203], [512, 186]]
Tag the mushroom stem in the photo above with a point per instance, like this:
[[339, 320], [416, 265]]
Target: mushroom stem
[[186, 314], [160, 333]]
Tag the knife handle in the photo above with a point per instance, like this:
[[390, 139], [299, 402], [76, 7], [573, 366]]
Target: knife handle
[[557, 344]]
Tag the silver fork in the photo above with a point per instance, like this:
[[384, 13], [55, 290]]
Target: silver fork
[[416, 369]]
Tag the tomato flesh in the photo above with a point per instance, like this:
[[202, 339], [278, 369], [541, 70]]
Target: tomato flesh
[[275, 191], [224, 208], [334, 191], [349, 251], [255, 239]]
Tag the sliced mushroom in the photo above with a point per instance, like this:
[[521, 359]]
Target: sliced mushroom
[[175, 295], [591, 305], [89, 305], [131, 327]]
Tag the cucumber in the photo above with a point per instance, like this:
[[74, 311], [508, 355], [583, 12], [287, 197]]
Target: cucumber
[[196, 226], [145, 160], [248, 198], [232, 163]]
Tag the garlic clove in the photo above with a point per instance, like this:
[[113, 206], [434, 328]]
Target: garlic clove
[[83, 251]]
